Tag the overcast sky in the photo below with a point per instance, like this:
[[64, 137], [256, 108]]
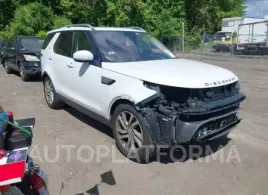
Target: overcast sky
[[257, 8]]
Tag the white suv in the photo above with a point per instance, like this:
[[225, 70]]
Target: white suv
[[127, 79]]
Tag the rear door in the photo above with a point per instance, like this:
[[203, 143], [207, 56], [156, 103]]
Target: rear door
[[12, 54], [60, 62], [46, 54], [15, 53]]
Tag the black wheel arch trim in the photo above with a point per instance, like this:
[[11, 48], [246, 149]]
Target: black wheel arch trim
[[147, 100], [44, 74]]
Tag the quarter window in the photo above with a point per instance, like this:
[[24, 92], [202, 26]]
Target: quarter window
[[47, 40], [63, 45]]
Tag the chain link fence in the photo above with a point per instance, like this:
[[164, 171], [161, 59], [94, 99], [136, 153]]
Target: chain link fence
[[175, 44], [219, 43], [225, 44]]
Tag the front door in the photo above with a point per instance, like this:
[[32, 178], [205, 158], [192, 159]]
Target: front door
[[85, 77]]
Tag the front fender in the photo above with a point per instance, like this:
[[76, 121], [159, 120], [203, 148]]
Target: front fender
[[125, 88]]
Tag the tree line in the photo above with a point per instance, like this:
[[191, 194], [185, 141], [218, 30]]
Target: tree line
[[162, 18]]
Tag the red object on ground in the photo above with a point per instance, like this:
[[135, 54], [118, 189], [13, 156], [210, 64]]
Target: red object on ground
[[12, 173], [4, 188], [10, 114], [3, 153], [38, 184]]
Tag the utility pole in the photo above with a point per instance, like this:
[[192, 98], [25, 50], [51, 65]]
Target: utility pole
[[182, 36]]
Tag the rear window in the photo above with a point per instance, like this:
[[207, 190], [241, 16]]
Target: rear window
[[47, 40]]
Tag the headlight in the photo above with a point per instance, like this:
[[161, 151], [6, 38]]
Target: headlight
[[237, 86], [31, 58]]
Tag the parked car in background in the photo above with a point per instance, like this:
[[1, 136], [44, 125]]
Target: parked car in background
[[127, 79], [22, 54], [2, 45]]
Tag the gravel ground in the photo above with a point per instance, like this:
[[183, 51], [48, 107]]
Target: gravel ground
[[240, 167]]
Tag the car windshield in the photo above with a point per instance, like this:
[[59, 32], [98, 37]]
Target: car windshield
[[31, 44], [220, 35], [129, 46]]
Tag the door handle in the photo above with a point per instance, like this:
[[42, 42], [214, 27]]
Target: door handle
[[50, 58], [70, 65]]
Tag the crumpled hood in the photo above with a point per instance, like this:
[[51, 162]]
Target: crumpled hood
[[175, 72]]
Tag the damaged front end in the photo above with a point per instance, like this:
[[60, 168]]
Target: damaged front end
[[180, 115]]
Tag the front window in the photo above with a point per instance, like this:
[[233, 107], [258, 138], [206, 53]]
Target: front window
[[31, 44], [220, 35], [129, 46]]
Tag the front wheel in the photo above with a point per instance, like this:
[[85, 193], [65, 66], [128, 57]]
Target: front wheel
[[23, 75], [131, 134]]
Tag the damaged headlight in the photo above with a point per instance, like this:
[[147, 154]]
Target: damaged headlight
[[237, 85]]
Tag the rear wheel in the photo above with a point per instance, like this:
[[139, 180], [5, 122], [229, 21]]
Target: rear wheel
[[52, 99], [7, 69], [131, 134]]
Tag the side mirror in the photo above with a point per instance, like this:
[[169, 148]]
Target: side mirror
[[83, 56]]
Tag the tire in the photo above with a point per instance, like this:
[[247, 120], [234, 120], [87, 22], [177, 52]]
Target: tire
[[140, 133], [52, 98], [7, 69], [23, 75]]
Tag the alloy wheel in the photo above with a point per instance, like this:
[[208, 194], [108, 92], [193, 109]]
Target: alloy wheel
[[129, 131], [21, 72], [49, 91], [6, 68]]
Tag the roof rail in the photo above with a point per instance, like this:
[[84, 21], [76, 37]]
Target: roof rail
[[78, 25], [74, 25], [137, 28]]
